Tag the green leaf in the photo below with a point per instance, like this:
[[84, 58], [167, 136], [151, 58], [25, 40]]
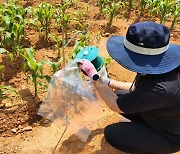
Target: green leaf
[[4, 90], [2, 29], [77, 47], [2, 50], [8, 36], [40, 67], [54, 66], [1, 68], [48, 78]]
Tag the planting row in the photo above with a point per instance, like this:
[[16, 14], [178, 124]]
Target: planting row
[[15, 20], [161, 9]]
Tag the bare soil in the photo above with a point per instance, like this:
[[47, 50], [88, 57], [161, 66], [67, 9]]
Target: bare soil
[[21, 129]]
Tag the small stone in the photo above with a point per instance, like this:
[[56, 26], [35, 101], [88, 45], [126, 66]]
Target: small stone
[[8, 105], [93, 139], [28, 128], [14, 130], [106, 34]]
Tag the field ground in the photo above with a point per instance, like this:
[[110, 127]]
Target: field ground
[[37, 139]]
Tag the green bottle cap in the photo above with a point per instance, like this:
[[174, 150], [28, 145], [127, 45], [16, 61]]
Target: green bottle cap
[[91, 53]]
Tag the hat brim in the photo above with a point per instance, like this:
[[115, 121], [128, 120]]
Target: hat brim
[[144, 64]]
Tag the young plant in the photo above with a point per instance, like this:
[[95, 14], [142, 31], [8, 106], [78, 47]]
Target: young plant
[[45, 14], [164, 9], [5, 92], [36, 68], [153, 5], [2, 51], [102, 4], [8, 54], [98, 37], [62, 17], [113, 9], [58, 44], [79, 17], [54, 66], [175, 13], [31, 11], [12, 24], [130, 5], [80, 44], [143, 4], [12, 1]]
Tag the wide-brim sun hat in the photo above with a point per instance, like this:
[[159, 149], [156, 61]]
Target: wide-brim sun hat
[[145, 49]]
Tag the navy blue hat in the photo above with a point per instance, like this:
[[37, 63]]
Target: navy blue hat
[[145, 49]]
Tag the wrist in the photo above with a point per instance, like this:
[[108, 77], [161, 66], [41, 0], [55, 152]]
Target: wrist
[[106, 81], [92, 73]]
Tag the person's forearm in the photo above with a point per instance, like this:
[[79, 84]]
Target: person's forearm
[[108, 96], [120, 85]]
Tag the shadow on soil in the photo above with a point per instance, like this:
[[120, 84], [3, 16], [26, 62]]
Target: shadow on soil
[[74, 145], [43, 43], [11, 68], [32, 105]]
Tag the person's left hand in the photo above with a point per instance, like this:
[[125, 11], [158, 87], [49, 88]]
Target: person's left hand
[[87, 67]]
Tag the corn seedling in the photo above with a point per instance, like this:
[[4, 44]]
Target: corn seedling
[[113, 9], [1, 69], [80, 19], [58, 44], [54, 66], [8, 54], [102, 4], [45, 14], [36, 68], [175, 13], [12, 1], [98, 36], [33, 15], [12, 24], [2, 51], [80, 44], [143, 4], [62, 17], [164, 9], [5, 92], [130, 5], [153, 5]]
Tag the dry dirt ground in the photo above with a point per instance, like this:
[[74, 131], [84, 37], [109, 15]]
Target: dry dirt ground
[[20, 127]]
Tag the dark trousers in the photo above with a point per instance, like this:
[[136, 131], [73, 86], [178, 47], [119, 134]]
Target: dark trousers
[[136, 137]]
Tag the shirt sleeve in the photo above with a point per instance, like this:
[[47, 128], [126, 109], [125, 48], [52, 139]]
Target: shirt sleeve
[[149, 96]]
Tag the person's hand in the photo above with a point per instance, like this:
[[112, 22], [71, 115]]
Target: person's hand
[[87, 67]]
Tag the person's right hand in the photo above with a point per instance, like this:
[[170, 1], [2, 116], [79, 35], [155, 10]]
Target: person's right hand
[[87, 67]]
